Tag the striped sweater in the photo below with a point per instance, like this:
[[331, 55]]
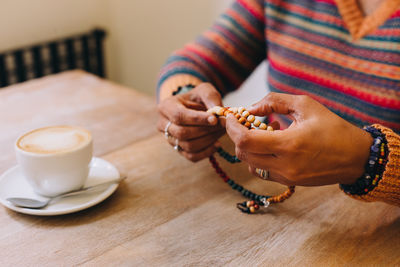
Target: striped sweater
[[326, 49]]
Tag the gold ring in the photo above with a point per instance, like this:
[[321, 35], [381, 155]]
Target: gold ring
[[264, 174]]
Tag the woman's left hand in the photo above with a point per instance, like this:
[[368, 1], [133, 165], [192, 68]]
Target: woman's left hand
[[318, 148]]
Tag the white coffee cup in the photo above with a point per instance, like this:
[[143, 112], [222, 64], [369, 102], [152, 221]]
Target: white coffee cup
[[55, 159]]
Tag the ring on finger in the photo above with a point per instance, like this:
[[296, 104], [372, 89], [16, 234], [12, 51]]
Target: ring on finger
[[166, 133], [177, 147], [264, 174]]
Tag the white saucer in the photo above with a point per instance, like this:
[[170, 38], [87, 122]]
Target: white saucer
[[13, 184]]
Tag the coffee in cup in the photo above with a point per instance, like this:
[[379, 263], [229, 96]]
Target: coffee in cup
[[55, 159]]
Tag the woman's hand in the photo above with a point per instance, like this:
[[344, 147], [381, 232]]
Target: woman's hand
[[196, 130], [318, 148]]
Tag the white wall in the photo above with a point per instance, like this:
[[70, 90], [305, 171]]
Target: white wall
[[144, 33], [23, 22], [141, 33]]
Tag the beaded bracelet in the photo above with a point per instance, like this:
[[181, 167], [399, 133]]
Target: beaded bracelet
[[183, 89], [374, 168], [256, 201]]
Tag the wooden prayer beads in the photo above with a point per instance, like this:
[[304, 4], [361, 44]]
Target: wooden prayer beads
[[248, 120], [242, 115]]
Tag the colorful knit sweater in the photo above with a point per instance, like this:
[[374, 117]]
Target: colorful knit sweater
[[322, 48]]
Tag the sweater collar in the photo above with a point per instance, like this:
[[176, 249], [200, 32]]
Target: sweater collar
[[360, 25]]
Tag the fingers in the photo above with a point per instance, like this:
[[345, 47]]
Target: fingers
[[264, 161], [184, 133], [194, 105], [271, 176], [190, 109], [198, 144], [222, 122], [199, 155], [178, 114], [255, 141], [209, 95], [285, 104]]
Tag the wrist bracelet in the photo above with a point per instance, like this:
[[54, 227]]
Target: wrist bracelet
[[374, 168], [183, 89]]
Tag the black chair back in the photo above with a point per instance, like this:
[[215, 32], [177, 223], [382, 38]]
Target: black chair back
[[84, 51]]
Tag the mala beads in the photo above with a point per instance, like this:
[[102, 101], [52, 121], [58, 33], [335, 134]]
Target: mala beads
[[230, 158], [248, 120], [242, 115], [256, 201]]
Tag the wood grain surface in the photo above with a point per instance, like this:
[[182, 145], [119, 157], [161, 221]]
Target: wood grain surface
[[171, 212]]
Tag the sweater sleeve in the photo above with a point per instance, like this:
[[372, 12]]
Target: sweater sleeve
[[224, 55], [388, 188]]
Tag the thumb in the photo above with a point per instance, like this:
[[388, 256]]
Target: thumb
[[275, 103], [209, 95]]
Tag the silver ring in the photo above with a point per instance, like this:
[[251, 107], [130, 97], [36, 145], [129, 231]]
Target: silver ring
[[166, 133], [177, 147], [264, 174]]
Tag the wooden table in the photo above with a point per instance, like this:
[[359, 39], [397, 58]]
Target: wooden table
[[169, 211]]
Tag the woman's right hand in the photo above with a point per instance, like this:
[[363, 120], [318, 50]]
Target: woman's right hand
[[196, 130]]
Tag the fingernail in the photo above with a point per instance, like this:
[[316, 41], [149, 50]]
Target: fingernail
[[212, 120]]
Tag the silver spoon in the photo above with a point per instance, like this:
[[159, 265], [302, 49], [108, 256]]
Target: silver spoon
[[38, 204]]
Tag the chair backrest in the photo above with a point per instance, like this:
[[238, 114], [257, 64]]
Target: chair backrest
[[83, 51]]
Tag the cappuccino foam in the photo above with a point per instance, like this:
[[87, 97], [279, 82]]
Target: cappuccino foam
[[56, 139]]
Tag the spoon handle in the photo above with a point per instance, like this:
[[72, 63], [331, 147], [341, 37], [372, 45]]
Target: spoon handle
[[89, 188]]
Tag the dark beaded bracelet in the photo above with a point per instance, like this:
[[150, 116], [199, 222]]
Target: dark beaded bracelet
[[183, 89], [374, 168]]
